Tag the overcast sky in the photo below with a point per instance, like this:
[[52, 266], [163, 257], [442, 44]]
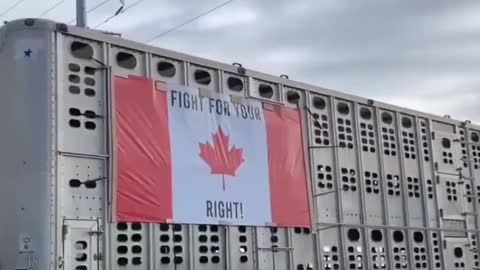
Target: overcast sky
[[420, 54]]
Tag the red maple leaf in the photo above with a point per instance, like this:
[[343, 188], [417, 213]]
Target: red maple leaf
[[219, 158]]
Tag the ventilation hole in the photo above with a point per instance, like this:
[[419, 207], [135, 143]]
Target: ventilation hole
[[164, 249], [122, 250], [122, 226], [177, 227], [74, 67], [319, 103], [81, 267], [203, 259], [406, 122], [418, 237], [446, 143], [122, 238], [136, 226], [166, 69], [89, 81], [203, 249], [243, 259], [178, 238], [343, 108], [90, 114], [265, 90], [74, 112], [126, 60], [89, 92], [75, 183], [91, 184], [387, 118], [377, 235], [214, 238], [81, 245], [202, 77], [74, 89], [215, 259], [293, 97], [74, 78], [242, 229], [202, 228], [353, 235], [136, 237], [475, 138], [165, 260], [122, 261], [235, 84], [203, 238], [215, 249], [213, 228], [136, 249], [366, 113], [137, 261], [81, 50], [178, 260], [90, 125], [243, 249], [242, 239], [458, 252], [90, 70], [398, 236], [178, 249], [74, 123]]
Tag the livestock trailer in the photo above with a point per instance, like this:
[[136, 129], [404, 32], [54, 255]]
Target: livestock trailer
[[120, 155]]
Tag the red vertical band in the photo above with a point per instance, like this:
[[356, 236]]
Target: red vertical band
[[288, 184], [144, 173]]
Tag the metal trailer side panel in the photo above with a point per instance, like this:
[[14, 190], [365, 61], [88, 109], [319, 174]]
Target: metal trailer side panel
[[26, 195]]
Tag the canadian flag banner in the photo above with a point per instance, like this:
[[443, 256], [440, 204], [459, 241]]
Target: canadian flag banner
[[186, 158]]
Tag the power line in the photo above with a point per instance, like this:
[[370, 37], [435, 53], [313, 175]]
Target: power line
[[189, 21], [119, 11], [101, 4], [11, 8], [51, 8]]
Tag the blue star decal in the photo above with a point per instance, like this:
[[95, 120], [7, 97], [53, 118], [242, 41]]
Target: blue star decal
[[28, 53]]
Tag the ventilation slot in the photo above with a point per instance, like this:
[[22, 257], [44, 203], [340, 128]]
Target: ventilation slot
[[81, 50], [90, 125], [202, 77], [89, 81], [89, 92], [166, 69], [406, 122], [74, 79], [90, 70], [343, 108], [387, 118], [319, 103], [265, 90], [75, 90], [74, 67], [235, 84], [293, 97], [474, 137], [74, 123], [126, 60], [365, 113]]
